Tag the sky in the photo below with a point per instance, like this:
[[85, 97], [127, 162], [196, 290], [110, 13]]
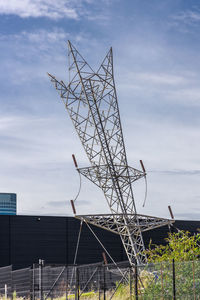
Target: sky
[[157, 74]]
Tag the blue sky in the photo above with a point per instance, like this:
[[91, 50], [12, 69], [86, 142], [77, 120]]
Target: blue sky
[[157, 72]]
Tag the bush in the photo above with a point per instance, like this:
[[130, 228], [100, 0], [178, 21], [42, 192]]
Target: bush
[[181, 246]]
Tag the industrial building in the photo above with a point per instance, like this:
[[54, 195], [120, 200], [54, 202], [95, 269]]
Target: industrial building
[[8, 204], [26, 239]]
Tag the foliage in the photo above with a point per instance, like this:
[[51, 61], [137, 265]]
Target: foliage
[[14, 296], [122, 292], [155, 280], [181, 246], [184, 249]]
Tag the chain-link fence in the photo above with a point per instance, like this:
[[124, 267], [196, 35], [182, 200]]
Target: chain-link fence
[[180, 280]]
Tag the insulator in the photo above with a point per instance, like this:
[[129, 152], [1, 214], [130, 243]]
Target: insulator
[[73, 206], [75, 162], [142, 165]]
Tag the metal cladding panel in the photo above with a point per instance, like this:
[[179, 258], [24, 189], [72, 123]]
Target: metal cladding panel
[[158, 235], [25, 239], [191, 226], [5, 240], [90, 251], [38, 237]]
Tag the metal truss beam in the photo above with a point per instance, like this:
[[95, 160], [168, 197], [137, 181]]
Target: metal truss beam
[[100, 175], [115, 223]]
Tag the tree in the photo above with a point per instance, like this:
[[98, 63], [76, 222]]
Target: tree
[[184, 248], [181, 246]]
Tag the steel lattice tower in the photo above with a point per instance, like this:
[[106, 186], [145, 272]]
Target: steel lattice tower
[[91, 101]]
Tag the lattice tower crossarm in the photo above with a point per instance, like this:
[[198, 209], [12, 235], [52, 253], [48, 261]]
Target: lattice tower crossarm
[[115, 223], [91, 101]]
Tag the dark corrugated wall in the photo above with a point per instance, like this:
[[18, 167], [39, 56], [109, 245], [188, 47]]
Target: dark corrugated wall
[[25, 239]]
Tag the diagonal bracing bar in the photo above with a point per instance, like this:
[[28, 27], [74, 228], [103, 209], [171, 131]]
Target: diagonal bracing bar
[[91, 101]]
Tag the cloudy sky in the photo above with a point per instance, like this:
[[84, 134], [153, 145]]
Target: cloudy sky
[[156, 49]]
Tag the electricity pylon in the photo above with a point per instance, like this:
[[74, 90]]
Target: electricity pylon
[[91, 101]]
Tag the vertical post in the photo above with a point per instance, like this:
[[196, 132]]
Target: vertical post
[[174, 278], [99, 281], [6, 291], [104, 283], [67, 283], [33, 283], [161, 272], [11, 286], [130, 282], [77, 284], [52, 280], [41, 264], [193, 271], [136, 280]]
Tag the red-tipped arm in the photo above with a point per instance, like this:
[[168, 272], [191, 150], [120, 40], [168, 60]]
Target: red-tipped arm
[[73, 206], [74, 159], [170, 211], [142, 165]]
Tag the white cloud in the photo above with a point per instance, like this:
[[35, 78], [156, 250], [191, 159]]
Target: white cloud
[[161, 78], [171, 88], [186, 21], [72, 9], [189, 96], [36, 158], [55, 35], [39, 8], [29, 55], [44, 36], [188, 16]]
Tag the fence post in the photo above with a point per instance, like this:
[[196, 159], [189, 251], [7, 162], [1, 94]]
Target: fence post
[[104, 283], [162, 286], [136, 281], [6, 291], [193, 271], [174, 279], [66, 283], [130, 282], [11, 286], [33, 283], [77, 284], [41, 264], [99, 281]]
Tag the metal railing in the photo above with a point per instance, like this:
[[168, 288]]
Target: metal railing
[[167, 280]]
